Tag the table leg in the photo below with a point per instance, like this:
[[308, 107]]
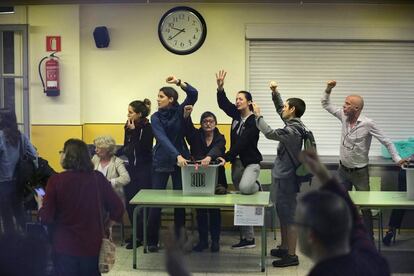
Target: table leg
[[263, 249], [134, 237], [145, 229], [379, 229]]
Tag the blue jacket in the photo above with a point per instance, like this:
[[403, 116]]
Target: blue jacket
[[168, 127], [9, 156]]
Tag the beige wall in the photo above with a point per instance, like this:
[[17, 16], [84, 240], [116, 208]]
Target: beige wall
[[98, 84]]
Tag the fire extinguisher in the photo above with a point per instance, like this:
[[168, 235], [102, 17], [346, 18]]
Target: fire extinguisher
[[52, 75]]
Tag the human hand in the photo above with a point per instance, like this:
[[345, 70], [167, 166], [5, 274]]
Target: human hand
[[311, 160], [220, 76], [130, 124], [273, 86], [256, 110], [187, 111], [171, 80], [181, 161], [404, 162], [329, 85], [206, 161], [222, 161], [39, 200]]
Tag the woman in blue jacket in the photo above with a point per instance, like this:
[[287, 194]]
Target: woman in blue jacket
[[170, 151]]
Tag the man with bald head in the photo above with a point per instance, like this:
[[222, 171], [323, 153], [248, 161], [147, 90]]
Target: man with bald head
[[356, 137]]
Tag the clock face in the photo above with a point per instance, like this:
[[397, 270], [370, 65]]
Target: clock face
[[182, 30]]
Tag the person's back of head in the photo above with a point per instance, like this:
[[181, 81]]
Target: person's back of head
[[298, 104], [8, 124], [76, 156], [324, 223]]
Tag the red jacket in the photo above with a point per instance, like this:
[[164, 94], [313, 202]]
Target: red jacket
[[72, 206]]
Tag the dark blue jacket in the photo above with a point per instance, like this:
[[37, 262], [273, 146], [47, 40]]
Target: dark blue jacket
[[168, 127]]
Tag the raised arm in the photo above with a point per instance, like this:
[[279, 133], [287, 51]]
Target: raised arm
[[223, 102], [276, 98], [192, 93], [189, 129], [281, 134], [326, 101]]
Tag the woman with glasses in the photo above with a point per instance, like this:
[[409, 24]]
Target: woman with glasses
[[170, 151], [243, 154], [76, 203], [206, 145]]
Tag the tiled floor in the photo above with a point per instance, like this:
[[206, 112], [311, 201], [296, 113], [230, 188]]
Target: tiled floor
[[246, 261]]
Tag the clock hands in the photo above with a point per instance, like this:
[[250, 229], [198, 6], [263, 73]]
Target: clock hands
[[179, 32], [182, 30]]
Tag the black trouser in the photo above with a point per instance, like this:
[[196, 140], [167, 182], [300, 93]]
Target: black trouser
[[159, 181], [140, 179], [11, 207], [398, 214], [208, 219]]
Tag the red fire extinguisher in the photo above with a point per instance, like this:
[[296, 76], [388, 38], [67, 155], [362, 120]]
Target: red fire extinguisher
[[52, 75]]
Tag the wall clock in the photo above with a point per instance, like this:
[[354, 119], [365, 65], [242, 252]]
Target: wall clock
[[182, 30]]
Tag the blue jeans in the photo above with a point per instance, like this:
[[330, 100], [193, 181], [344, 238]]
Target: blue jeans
[[159, 181], [66, 265]]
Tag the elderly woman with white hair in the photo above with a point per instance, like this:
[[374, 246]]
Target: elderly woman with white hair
[[109, 165]]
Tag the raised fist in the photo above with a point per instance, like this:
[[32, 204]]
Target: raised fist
[[331, 84]]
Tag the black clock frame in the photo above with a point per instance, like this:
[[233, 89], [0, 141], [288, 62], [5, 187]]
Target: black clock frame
[[201, 41]]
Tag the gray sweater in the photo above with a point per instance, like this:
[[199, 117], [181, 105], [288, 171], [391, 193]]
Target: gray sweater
[[288, 136]]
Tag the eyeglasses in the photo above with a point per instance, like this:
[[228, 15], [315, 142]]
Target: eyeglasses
[[348, 142], [208, 121]]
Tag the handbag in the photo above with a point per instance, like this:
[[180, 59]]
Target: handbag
[[107, 251], [106, 255]]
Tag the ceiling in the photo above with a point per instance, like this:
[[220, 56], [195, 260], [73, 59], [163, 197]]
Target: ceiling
[[48, 2]]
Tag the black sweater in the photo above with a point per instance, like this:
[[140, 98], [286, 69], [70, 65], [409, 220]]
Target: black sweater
[[243, 144], [138, 143], [199, 149]]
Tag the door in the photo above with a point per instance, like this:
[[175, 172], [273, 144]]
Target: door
[[14, 81]]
